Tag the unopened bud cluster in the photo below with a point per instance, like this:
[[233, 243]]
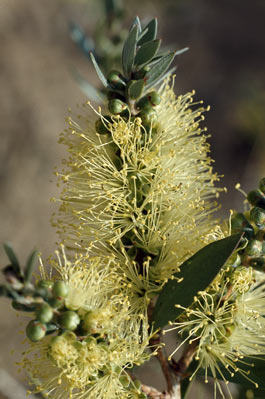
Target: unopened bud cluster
[[252, 224]]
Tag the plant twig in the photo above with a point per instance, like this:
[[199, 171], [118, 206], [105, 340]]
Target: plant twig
[[182, 365], [163, 362]]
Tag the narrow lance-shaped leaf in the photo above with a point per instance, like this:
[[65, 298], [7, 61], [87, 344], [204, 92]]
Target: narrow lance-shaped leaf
[[128, 51], [12, 257], [138, 23], [197, 273], [151, 32], [163, 77], [158, 69], [98, 70], [30, 265], [147, 52]]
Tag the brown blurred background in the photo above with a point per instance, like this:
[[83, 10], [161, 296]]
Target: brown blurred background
[[225, 65]]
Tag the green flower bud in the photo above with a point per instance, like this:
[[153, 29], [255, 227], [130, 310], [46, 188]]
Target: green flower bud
[[149, 100], [60, 289], [44, 314], [35, 330], [253, 248], [240, 224], [154, 98], [124, 380], [141, 74], [48, 284], [148, 116], [102, 127], [257, 215], [56, 303], [116, 80], [234, 260], [262, 185], [90, 321], [256, 198], [69, 320], [116, 106]]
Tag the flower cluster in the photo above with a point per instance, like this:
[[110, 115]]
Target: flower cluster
[[155, 201], [137, 201], [226, 323], [90, 355]]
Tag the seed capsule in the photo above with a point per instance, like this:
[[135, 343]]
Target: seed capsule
[[60, 289], [44, 314], [256, 198], [117, 106], [69, 320], [258, 216], [35, 330]]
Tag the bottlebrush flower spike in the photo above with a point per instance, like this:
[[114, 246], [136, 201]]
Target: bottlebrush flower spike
[[157, 195], [90, 361]]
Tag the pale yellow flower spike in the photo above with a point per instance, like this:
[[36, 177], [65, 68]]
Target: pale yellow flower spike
[[65, 366], [169, 164]]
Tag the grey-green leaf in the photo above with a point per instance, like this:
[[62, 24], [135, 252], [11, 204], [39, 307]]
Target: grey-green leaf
[[197, 273], [150, 33], [30, 265], [146, 52], [98, 70], [138, 23], [182, 50], [128, 51], [158, 69], [135, 89], [12, 257]]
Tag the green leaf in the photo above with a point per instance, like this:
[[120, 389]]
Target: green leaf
[[30, 265], [197, 273], [147, 52], [181, 51], [128, 51], [138, 23], [158, 69], [12, 257], [98, 70], [135, 89], [151, 32], [185, 387]]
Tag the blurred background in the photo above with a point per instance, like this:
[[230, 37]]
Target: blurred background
[[41, 62]]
